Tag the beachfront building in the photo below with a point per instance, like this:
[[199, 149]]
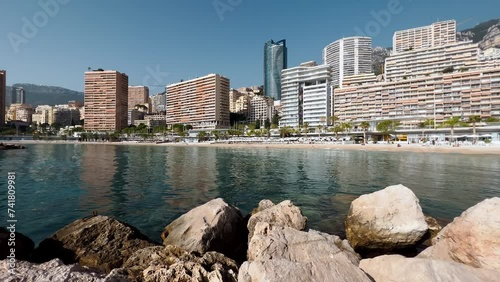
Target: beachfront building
[[3, 88], [106, 100], [239, 102], [306, 95], [275, 60], [261, 108], [437, 97], [434, 35], [202, 103], [20, 112], [348, 56], [459, 56], [138, 95]]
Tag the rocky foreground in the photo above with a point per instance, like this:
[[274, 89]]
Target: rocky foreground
[[214, 242]]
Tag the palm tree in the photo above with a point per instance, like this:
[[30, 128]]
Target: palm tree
[[333, 119], [320, 127], [346, 127], [426, 123], [474, 120], [306, 127], [364, 125], [336, 129], [452, 122]]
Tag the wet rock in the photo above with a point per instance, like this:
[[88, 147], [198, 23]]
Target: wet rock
[[99, 242], [282, 214], [55, 270], [214, 226], [387, 219], [472, 238], [399, 268], [172, 263], [23, 247], [278, 253]]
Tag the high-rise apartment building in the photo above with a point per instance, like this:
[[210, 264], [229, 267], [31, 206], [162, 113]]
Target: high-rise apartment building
[[3, 87], [202, 102], [106, 100], [434, 35], [18, 95], [306, 95], [261, 108], [275, 60], [348, 56], [158, 102], [138, 95]]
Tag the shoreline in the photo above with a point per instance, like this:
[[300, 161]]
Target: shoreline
[[413, 148]]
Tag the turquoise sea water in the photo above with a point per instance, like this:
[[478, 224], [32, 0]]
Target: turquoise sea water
[[149, 186]]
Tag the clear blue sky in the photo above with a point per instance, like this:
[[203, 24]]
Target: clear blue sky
[[189, 38]]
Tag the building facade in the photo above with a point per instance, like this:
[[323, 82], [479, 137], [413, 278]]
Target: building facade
[[434, 35], [202, 103], [306, 95], [138, 95], [106, 100], [261, 108], [3, 89], [18, 95], [439, 97], [158, 102], [348, 56], [275, 60]]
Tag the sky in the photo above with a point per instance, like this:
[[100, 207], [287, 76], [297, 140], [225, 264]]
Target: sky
[[159, 42]]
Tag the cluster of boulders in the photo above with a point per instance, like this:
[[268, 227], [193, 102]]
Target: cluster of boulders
[[214, 242]]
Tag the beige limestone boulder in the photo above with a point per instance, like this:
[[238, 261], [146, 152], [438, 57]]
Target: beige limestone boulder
[[172, 263], [55, 270], [213, 226], [282, 214], [473, 238], [387, 219], [278, 253], [401, 269]]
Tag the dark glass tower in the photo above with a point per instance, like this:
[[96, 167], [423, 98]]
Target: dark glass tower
[[275, 60]]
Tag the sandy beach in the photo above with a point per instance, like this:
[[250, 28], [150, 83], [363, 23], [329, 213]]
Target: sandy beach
[[417, 148]]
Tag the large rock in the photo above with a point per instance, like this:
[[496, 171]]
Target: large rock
[[281, 270], [387, 219], [56, 271], [172, 263], [214, 226], [282, 214], [277, 253], [399, 268], [99, 242], [22, 245], [472, 239]]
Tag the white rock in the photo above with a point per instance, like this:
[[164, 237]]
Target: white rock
[[472, 239], [282, 214], [214, 226], [399, 268], [387, 219]]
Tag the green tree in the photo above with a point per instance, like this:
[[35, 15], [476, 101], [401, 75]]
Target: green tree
[[267, 124], [364, 125], [275, 120], [387, 126], [285, 132], [215, 133], [426, 124], [202, 136], [257, 124], [306, 127], [336, 129], [492, 119], [333, 120], [474, 120], [452, 122]]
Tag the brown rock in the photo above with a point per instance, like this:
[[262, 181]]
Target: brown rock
[[99, 242]]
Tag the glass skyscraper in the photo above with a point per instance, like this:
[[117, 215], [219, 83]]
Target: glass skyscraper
[[275, 60]]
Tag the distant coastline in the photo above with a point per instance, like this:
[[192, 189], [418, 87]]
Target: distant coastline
[[416, 148]]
